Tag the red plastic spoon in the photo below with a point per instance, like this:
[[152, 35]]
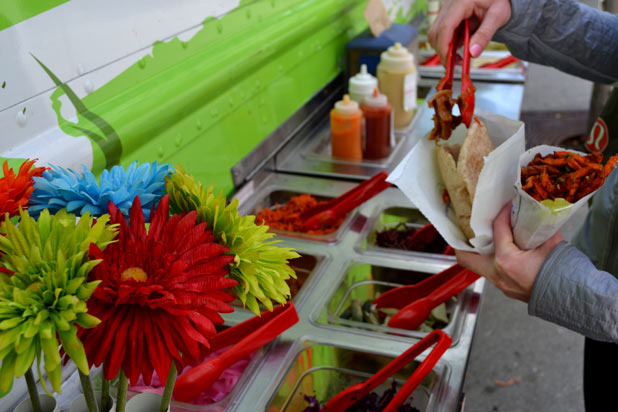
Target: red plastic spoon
[[414, 314]]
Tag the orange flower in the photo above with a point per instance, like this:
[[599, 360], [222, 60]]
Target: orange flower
[[15, 190]]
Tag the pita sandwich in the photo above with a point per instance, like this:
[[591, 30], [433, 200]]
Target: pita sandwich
[[460, 167]]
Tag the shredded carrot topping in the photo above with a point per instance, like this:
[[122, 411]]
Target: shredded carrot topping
[[286, 217]]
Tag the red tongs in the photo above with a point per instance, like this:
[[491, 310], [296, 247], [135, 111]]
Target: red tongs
[[400, 297], [503, 62], [325, 214], [351, 395], [433, 60], [417, 301], [443, 102], [246, 337]]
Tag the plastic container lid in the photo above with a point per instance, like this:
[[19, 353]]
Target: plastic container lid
[[397, 58], [402, 33], [363, 82], [346, 105], [377, 99]]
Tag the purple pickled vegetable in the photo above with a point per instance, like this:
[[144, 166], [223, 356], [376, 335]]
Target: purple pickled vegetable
[[372, 402], [314, 404], [398, 237]]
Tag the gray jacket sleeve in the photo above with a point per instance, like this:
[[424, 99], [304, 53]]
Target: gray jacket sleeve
[[565, 34], [571, 292]]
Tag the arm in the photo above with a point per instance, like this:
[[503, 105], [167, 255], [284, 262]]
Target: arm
[[559, 283], [566, 34], [571, 292]]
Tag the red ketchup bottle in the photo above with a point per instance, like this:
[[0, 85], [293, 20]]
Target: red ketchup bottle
[[378, 126]]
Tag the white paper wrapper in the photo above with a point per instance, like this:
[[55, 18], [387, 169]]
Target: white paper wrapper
[[532, 222], [419, 179]]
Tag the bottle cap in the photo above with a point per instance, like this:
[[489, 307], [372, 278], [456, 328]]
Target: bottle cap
[[397, 57], [377, 99], [346, 105], [361, 84]]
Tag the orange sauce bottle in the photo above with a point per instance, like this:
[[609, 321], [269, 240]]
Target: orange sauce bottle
[[346, 121]]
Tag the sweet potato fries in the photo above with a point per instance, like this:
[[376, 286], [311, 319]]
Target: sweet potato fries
[[565, 175]]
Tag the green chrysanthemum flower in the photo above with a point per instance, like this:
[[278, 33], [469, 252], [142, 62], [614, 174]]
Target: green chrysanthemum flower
[[260, 267], [43, 291]]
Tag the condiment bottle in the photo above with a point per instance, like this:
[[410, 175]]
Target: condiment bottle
[[346, 129], [361, 85], [397, 79], [378, 126]]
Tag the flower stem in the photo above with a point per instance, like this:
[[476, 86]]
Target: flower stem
[[169, 387], [123, 385], [91, 402], [104, 395], [33, 392]]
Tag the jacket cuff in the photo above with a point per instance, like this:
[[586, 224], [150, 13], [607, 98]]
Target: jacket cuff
[[543, 279]]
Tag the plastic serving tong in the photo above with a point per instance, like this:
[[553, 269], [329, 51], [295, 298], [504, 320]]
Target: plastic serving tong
[[422, 237], [402, 296], [443, 102], [327, 213], [414, 314], [246, 337], [466, 97], [503, 62], [348, 397]]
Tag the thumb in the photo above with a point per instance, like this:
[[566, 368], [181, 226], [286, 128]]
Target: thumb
[[495, 18]]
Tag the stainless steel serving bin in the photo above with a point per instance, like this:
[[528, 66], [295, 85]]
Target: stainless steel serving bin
[[322, 370], [284, 374]]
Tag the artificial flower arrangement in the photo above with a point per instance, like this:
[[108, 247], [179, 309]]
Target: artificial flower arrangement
[[126, 285]]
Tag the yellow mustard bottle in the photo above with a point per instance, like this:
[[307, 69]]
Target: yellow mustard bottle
[[346, 121], [398, 79]]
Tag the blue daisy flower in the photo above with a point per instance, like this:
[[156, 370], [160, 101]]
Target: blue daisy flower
[[61, 188]]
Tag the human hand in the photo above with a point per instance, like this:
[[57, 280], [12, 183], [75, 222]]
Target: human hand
[[510, 269], [486, 17]]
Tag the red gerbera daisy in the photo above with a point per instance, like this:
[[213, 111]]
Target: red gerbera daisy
[[161, 291], [15, 190]]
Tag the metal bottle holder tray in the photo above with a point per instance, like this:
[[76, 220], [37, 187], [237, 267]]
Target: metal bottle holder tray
[[307, 149]]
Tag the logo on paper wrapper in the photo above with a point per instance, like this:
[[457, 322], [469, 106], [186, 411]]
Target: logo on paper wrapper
[[599, 137]]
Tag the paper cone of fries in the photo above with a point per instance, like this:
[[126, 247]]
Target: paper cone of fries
[[533, 221]]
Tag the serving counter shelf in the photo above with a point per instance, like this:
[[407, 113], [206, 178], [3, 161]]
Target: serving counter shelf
[[321, 354], [308, 150]]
